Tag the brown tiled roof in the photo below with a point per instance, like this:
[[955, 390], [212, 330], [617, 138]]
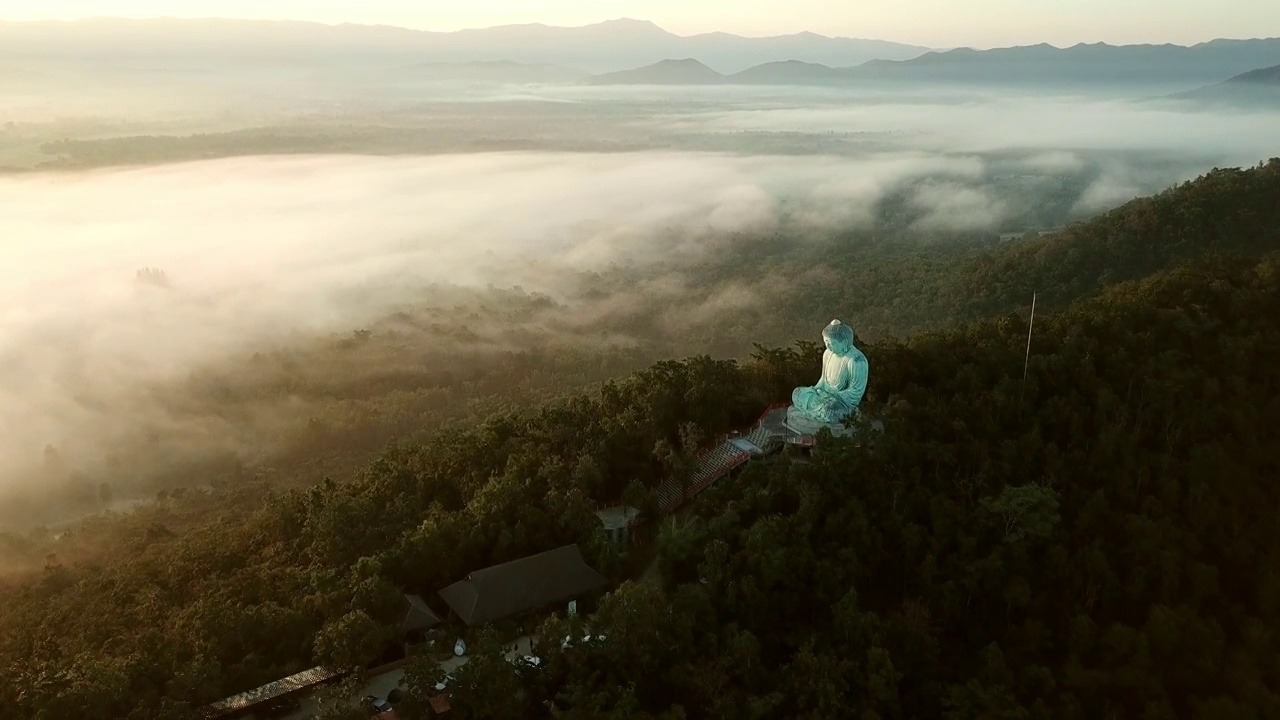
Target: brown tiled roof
[[417, 615], [536, 581]]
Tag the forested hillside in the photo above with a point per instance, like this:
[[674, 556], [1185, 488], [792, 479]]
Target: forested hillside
[[298, 410], [1101, 547], [1098, 545], [1227, 211], [895, 285]]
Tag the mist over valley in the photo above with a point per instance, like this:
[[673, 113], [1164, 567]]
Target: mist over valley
[[624, 217], [264, 253], [320, 315]]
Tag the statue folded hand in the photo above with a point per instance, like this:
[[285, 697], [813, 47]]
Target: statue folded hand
[[844, 379]]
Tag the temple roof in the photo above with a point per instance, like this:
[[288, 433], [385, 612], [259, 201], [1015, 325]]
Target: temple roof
[[418, 616], [536, 581]]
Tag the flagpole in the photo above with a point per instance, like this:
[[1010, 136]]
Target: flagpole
[[1027, 362]]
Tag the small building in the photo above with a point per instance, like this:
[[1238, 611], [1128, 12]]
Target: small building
[[619, 524], [508, 589], [418, 618]]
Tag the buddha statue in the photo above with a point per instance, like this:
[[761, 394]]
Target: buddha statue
[[838, 391]]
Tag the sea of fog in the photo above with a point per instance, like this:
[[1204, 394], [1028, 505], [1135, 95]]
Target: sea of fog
[[256, 248]]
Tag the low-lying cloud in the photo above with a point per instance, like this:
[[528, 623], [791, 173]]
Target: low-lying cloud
[[263, 252], [1053, 162], [1009, 122], [260, 250], [949, 206]]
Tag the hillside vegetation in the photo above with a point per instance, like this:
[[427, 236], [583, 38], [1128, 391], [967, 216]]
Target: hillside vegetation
[[1100, 548], [1267, 75], [897, 282], [1098, 544]]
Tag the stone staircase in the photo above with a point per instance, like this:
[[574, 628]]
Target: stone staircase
[[767, 434], [770, 431], [711, 466]]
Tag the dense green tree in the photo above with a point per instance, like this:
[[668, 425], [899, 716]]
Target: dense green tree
[[1098, 544], [351, 641], [489, 686]]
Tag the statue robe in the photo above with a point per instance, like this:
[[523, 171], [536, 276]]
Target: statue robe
[[839, 390]]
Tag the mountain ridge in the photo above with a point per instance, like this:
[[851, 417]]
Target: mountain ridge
[[1096, 63], [1267, 75], [683, 71], [610, 46], [1255, 89], [1082, 62], [505, 71], [624, 45]]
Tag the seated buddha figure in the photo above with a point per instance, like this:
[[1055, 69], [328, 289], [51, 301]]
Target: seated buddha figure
[[841, 387]]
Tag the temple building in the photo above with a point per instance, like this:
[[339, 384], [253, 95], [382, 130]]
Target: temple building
[[502, 591]]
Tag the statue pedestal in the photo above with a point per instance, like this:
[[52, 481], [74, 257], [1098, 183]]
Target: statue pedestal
[[801, 424]]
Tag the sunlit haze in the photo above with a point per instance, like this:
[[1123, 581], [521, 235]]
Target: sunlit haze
[[507, 359], [933, 23]]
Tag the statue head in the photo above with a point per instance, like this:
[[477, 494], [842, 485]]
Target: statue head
[[838, 337]]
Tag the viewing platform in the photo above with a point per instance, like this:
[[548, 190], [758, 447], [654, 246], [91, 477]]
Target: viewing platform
[[768, 435]]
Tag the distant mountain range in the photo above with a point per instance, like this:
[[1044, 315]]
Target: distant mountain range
[[1088, 63], [498, 71], [619, 52], [603, 47], [1261, 76], [692, 72], [1255, 88], [789, 72], [1033, 65], [666, 72]]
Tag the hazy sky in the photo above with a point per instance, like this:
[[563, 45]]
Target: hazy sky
[[936, 23]]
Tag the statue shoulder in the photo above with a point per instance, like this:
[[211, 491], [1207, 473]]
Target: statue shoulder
[[856, 361]]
